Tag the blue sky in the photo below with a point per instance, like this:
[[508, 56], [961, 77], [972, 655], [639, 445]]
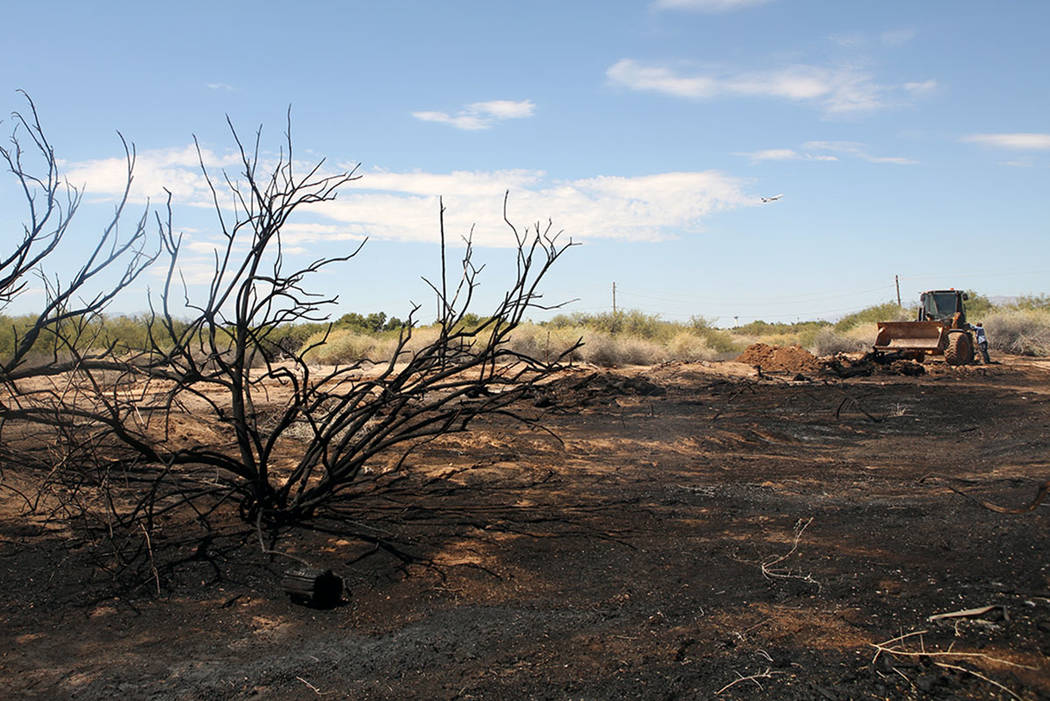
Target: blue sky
[[908, 138]]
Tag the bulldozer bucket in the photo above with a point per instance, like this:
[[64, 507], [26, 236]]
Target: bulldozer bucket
[[924, 336]]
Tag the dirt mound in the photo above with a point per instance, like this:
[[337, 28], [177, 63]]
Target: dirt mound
[[780, 358]]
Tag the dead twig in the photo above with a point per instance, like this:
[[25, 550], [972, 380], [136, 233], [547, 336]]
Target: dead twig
[[768, 673], [967, 670], [310, 686], [923, 652], [771, 568], [152, 562], [895, 647]]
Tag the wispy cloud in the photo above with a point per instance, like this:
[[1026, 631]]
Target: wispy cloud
[[836, 90], [861, 40], [220, 86], [1016, 141], [857, 150], [785, 154], [403, 206], [711, 6], [924, 87], [177, 169], [823, 151], [480, 115]]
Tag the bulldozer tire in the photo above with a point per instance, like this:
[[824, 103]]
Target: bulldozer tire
[[959, 350]]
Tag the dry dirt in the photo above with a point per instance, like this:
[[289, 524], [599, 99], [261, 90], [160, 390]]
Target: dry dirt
[[695, 531], [775, 358]]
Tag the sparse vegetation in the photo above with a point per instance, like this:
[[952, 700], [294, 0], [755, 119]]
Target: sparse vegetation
[[887, 311], [1024, 331], [629, 337]]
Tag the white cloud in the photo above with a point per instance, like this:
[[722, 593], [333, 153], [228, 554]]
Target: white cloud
[[865, 40], [837, 90], [857, 150], [504, 109], [220, 86], [202, 246], [480, 115], [466, 122], [921, 88], [193, 270], [403, 206], [708, 5], [1017, 141], [635, 76], [176, 169], [773, 154], [785, 154]]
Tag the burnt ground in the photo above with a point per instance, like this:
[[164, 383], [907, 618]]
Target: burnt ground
[[711, 529]]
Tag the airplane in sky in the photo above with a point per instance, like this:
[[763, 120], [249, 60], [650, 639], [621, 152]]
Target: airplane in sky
[[774, 198]]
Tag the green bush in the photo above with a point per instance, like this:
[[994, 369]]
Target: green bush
[[977, 306]]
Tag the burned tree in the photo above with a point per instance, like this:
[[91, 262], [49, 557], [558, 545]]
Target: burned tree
[[272, 433], [68, 305], [300, 437], [50, 357]]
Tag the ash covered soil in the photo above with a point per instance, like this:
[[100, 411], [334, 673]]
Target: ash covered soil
[[694, 531]]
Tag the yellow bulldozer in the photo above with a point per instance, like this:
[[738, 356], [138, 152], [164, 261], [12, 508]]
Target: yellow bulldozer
[[940, 330]]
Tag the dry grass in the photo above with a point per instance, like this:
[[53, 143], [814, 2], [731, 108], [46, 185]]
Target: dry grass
[[346, 346], [1020, 331], [615, 350], [828, 341]]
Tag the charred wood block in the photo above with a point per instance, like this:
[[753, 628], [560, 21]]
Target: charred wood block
[[311, 586]]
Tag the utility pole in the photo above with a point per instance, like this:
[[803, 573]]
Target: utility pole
[[897, 280], [614, 299]]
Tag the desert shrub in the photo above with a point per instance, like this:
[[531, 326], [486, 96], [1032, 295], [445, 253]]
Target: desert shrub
[[690, 348], [767, 328], [11, 329], [828, 341], [631, 322], [545, 342], [977, 306], [719, 341], [345, 346], [286, 339], [371, 323], [1032, 302], [888, 311], [1020, 331], [614, 350]]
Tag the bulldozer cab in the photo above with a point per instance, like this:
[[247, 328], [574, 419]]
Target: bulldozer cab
[[943, 305]]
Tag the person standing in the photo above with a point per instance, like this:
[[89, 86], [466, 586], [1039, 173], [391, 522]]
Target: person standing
[[982, 341]]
